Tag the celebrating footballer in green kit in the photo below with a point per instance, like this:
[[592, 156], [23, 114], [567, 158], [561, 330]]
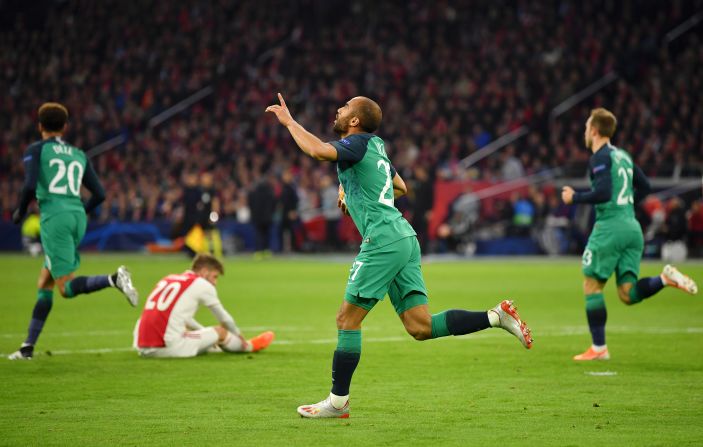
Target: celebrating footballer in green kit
[[54, 174], [616, 243], [389, 258]]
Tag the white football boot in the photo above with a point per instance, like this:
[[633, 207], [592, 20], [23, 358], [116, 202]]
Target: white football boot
[[510, 321], [672, 277], [23, 353], [124, 285], [324, 409]]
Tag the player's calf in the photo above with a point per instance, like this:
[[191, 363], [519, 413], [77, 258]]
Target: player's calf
[[70, 287], [418, 322]]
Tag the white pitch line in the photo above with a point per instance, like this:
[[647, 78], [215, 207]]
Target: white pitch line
[[565, 331], [91, 351], [553, 331], [122, 332]]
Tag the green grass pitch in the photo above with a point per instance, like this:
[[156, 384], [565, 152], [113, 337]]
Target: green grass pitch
[[481, 389]]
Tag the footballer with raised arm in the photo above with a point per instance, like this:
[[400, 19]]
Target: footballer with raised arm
[[616, 242], [54, 173], [389, 258]]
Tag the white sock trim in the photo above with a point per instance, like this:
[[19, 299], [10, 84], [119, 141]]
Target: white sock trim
[[338, 402], [599, 348], [493, 318]]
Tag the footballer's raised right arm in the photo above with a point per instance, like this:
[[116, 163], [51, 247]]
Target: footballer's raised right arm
[[306, 141]]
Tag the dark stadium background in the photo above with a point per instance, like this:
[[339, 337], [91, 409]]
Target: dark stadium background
[[484, 104]]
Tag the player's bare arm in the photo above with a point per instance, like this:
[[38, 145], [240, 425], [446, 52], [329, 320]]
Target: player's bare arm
[[308, 143], [341, 201], [399, 188]]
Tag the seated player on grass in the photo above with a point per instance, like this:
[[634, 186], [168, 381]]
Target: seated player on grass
[[167, 327]]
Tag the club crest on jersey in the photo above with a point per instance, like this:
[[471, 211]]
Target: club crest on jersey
[[345, 141]]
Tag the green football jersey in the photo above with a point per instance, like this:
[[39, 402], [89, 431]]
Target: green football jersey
[[621, 203], [366, 174], [612, 192], [61, 169]]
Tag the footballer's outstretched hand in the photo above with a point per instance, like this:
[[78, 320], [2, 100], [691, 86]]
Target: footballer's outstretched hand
[[281, 111], [567, 194]]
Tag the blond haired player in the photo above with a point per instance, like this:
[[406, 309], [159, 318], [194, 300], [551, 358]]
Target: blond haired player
[[167, 327], [616, 243]]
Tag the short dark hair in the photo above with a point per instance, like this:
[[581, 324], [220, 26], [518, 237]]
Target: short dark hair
[[207, 261], [603, 121], [53, 116], [369, 114]]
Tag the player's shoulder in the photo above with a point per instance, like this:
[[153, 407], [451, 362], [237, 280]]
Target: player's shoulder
[[53, 142], [34, 147], [203, 286], [602, 155], [75, 149], [619, 152], [357, 140], [361, 136]]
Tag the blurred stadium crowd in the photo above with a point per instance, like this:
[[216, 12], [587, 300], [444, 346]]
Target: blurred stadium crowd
[[451, 78]]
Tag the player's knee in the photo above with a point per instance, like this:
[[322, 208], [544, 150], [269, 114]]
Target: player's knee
[[340, 320], [419, 332], [62, 291], [45, 283], [345, 321], [591, 286], [221, 333], [624, 295]]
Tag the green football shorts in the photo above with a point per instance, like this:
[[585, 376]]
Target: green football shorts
[[60, 235], [393, 270], [614, 247]]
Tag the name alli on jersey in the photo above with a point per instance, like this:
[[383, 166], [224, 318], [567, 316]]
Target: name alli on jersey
[[61, 149]]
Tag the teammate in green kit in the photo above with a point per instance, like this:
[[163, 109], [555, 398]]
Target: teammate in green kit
[[54, 173], [389, 259], [616, 243]]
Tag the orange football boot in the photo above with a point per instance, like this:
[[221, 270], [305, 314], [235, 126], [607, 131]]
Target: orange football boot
[[262, 341], [592, 354]]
